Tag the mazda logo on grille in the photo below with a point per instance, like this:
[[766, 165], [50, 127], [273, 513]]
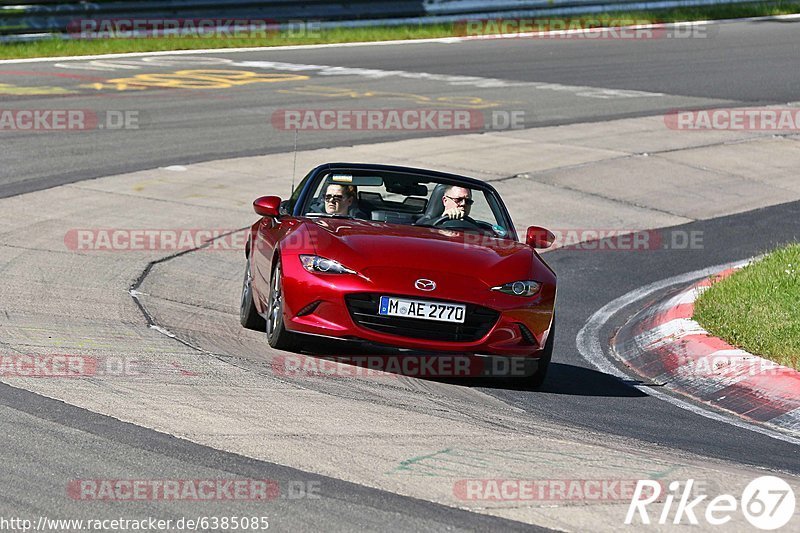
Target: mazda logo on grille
[[425, 285]]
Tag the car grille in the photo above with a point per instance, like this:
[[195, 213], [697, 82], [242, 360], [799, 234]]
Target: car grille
[[364, 311]]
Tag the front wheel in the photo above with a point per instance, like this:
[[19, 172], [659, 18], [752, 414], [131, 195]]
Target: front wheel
[[277, 334], [248, 315], [537, 379]]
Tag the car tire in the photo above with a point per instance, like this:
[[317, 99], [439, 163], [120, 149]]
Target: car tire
[[248, 314], [277, 335], [537, 379]]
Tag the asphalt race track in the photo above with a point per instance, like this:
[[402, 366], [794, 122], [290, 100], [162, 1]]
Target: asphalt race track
[[740, 64], [377, 454]]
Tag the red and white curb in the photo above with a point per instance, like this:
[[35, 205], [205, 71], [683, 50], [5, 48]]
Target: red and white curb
[[664, 344]]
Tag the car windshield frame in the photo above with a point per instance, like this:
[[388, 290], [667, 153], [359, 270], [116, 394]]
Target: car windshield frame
[[303, 196]]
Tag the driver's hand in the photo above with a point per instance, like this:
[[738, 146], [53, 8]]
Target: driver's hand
[[453, 213]]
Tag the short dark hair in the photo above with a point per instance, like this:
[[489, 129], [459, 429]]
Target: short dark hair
[[450, 189]]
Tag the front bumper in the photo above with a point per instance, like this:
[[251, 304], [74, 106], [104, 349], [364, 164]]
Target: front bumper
[[509, 325]]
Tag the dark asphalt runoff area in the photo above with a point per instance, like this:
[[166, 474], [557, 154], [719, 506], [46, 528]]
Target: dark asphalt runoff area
[[46, 442]]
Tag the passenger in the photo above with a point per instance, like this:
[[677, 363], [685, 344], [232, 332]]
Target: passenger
[[342, 200], [457, 202], [338, 199]]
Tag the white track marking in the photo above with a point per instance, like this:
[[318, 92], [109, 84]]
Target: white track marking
[[687, 297], [163, 331], [366, 73], [588, 342], [476, 81], [737, 365], [668, 332], [792, 417]]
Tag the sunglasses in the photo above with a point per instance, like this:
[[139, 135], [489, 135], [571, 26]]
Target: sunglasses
[[462, 200], [334, 198]]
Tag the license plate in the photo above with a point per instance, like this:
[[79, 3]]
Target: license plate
[[443, 312]]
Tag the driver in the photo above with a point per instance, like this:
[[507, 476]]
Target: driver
[[457, 202]]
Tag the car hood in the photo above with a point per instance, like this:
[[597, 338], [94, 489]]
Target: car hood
[[365, 245]]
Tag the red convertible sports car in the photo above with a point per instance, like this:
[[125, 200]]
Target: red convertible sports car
[[403, 257]]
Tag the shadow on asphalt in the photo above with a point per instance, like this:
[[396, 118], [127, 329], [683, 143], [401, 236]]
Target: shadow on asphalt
[[561, 378], [575, 381]]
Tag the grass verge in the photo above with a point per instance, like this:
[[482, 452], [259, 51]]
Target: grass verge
[[758, 308], [60, 47]]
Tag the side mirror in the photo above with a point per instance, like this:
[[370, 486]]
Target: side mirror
[[539, 238], [267, 206]]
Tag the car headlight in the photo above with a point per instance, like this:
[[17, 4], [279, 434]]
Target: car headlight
[[321, 265], [519, 288]]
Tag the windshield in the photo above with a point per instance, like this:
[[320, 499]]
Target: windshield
[[407, 199]]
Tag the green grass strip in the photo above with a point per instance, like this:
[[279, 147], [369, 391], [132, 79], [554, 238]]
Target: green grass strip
[[59, 47], [758, 308]]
